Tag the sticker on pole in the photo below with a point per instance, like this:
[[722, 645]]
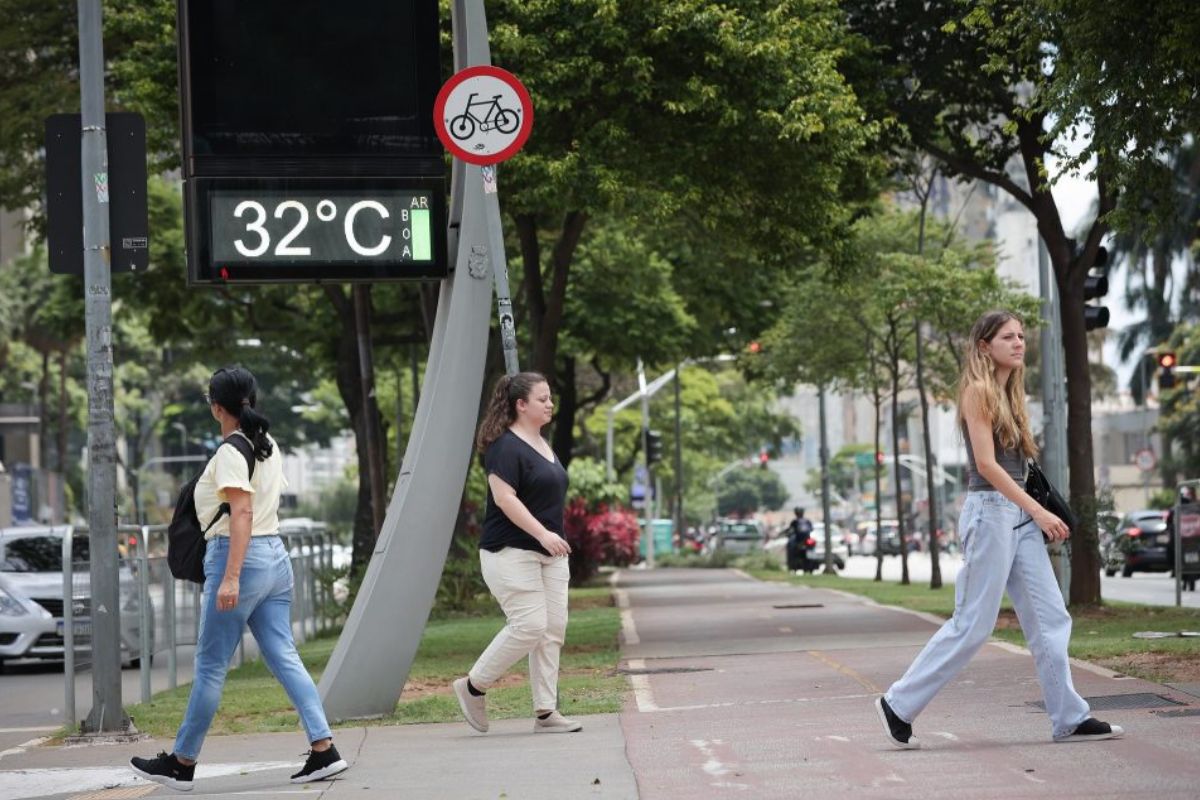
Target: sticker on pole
[[483, 115]]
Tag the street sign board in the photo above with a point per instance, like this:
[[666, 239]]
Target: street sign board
[[1145, 460], [483, 115], [124, 186]]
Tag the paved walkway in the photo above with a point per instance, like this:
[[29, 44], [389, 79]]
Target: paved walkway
[[765, 691], [739, 689]]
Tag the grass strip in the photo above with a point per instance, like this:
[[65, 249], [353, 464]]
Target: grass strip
[[1102, 635], [254, 702]]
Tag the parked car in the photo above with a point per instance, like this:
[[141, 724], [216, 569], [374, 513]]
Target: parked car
[[1141, 544], [32, 569], [739, 536]]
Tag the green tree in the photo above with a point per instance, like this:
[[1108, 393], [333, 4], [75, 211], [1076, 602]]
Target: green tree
[[967, 85], [631, 123], [745, 491]]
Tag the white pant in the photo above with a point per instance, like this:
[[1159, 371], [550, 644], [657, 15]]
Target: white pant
[[1003, 549], [532, 590]]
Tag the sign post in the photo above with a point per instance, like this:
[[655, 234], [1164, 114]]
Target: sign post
[[1185, 531], [108, 714], [484, 115]]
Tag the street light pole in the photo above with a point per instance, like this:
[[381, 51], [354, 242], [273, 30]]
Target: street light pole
[[824, 454], [183, 437]]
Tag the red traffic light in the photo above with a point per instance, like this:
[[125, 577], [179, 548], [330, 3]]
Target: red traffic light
[[754, 347], [1167, 360], [878, 457]]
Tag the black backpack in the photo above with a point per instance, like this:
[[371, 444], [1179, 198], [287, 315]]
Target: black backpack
[[185, 538]]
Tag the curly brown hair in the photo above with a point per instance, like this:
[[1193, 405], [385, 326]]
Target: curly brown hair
[[501, 410]]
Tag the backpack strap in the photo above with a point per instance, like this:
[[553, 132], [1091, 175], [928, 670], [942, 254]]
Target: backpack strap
[[243, 446]]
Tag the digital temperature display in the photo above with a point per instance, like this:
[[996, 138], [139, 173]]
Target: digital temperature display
[[273, 230]]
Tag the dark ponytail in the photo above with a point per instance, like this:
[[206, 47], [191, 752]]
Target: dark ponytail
[[501, 409], [236, 391]]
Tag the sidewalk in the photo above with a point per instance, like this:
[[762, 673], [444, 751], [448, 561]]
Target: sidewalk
[[765, 691], [739, 689]]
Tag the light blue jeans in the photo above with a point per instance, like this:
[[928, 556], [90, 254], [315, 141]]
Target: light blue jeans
[[1002, 550], [265, 604]]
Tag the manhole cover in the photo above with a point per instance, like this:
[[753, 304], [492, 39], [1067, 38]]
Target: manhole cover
[[1117, 702], [800, 605], [1179, 712], [660, 670]]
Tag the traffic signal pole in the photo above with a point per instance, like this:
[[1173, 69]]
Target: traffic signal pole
[[107, 714], [1054, 407]]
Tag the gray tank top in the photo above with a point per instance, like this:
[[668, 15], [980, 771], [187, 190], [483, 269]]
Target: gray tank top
[[1011, 461]]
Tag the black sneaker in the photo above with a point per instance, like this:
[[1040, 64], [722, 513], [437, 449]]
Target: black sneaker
[[165, 769], [1092, 730], [320, 766], [897, 730]]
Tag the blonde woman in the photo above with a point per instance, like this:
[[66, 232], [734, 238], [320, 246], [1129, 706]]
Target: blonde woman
[[522, 551], [1002, 531]]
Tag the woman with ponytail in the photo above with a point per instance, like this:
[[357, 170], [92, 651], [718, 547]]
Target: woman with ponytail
[[247, 582], [522, 551], [1002, 531]]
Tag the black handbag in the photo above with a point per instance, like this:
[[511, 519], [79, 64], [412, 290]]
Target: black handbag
[[1039, 487]]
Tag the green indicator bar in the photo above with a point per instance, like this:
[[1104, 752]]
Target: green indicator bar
[[421, 235]]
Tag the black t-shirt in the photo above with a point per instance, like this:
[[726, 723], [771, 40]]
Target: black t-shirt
[[540, 484]]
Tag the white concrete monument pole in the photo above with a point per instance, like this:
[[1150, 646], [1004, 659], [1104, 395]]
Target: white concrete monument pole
[[372, 659]]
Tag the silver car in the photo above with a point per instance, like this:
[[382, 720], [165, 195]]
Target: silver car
[[31, 600]]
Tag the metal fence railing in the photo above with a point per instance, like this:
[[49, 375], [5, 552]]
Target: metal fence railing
[[159, 615]]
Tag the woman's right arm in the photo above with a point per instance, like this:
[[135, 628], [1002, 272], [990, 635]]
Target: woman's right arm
[[979, 428], [507, 501]]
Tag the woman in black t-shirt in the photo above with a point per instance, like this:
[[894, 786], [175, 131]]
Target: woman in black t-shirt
[[522, 551]]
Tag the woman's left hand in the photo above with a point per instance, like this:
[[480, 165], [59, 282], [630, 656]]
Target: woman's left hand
[[227, 595]]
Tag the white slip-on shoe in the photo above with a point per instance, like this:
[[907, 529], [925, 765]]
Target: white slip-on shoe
[[556, 723], [474, 708]]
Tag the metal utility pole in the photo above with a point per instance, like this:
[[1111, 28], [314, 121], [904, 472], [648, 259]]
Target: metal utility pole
[[647, 508], [1054, 404], [678, 458], [107, 714], [824, 454]]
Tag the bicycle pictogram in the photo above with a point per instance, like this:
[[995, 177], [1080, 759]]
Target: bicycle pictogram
[[495, 116]]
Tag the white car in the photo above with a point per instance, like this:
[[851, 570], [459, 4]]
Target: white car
[[31, 568], [839, 548]]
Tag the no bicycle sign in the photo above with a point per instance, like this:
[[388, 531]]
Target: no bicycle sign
[[483, 115]]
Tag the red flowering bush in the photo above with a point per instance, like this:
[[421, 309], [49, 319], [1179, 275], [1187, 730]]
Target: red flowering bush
[[603, 536]]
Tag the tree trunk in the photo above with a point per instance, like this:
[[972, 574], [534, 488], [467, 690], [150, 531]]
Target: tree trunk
[[566, 407], [349, 383], [545, 348], [877, 399], [895, 364], [935, 577]]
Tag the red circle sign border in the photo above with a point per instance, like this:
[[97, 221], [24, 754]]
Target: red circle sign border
[[439, 109]]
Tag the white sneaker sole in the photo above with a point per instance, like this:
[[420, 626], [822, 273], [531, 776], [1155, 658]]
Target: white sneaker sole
[[1116, 733], [911, 744], [336, 768], [578, 726], [460, 690], [170, 783]]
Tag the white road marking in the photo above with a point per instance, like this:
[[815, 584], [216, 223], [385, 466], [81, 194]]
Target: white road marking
[[642, 693], [712, 765], [18, 784], [893, 778], [945, 735], [702, 706], [21, 748]]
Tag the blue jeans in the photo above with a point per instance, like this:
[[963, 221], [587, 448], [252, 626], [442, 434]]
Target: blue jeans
[[265, 604], [1002, 550]]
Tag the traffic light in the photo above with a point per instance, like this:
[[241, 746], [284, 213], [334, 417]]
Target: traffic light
[[654, 447], [879, 457], [1166, 369], [1095, 286], [754, 348], [764, 458]]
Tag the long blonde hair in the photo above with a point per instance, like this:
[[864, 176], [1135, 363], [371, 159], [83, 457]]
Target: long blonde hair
[[1003, 407]]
